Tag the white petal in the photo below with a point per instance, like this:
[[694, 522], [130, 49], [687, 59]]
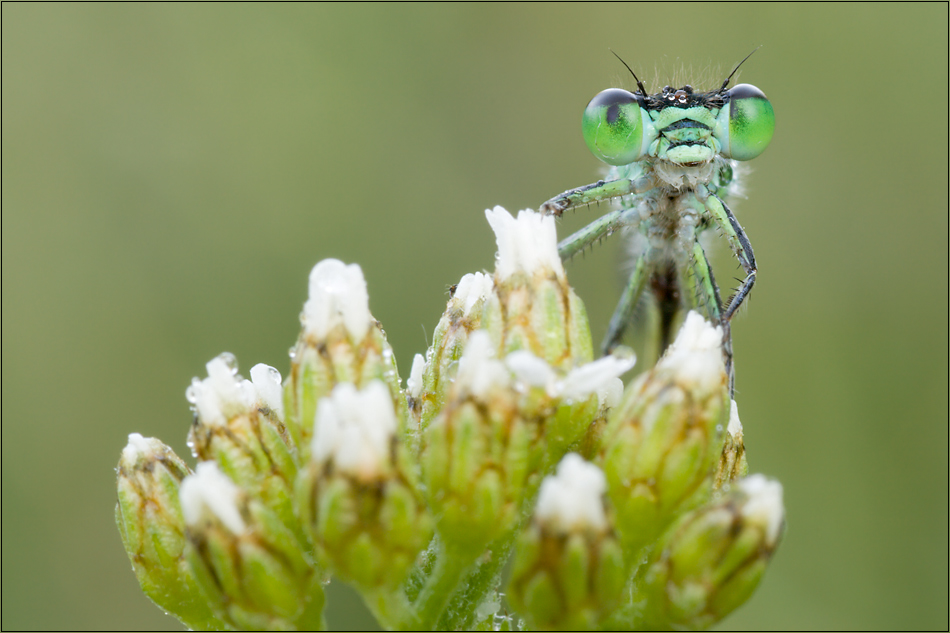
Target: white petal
[[140, 448], [582, 381], [695, 357], [764, 504], [223, 394], [337, 296], [571, 499], [210, 490], [735, 427], [414, 382], [266, 381], [527, 244], [531, 370], [471, 289], [354, 429], [479, 372]]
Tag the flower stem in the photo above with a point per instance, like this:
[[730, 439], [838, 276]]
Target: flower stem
[[441, 585], [461, 611]]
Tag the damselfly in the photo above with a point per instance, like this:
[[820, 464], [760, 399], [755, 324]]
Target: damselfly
[[673, 157]]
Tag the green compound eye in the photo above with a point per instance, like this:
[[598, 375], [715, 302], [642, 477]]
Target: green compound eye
[[613, 128], [745, 125]]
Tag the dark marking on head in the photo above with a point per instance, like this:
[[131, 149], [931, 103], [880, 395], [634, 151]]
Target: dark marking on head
[[684, 97]]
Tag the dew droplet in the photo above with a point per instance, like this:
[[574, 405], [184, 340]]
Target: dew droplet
[[452, 370], [191, 393], [229, 359]]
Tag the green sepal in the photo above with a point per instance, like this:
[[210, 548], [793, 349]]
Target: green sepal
[[541, 314], [570, 581], [540, 597], [258, 579], [566, 426], [574, 563]]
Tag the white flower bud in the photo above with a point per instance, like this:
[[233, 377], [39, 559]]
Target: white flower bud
[[471, 289], [354, 429], [526, 244], [571, 500], [695, 357], [337, 296], [222, 395]]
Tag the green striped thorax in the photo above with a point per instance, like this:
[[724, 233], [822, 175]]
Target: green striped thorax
[[678, 125]]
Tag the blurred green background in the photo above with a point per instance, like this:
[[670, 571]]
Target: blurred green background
[[172, 172]]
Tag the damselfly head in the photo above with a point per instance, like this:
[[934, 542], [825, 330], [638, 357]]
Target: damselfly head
[[678, 125]]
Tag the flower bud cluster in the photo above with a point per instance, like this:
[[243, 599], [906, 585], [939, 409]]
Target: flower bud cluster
[[505, 423], [624, 507]]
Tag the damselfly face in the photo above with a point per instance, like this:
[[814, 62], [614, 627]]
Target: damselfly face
[[678, 125]]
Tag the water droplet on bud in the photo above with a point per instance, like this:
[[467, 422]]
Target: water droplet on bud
[[228, 359]]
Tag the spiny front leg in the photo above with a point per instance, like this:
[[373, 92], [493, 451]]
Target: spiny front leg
[[741, 248], [623, 313], [600, 190], [599, 228]]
